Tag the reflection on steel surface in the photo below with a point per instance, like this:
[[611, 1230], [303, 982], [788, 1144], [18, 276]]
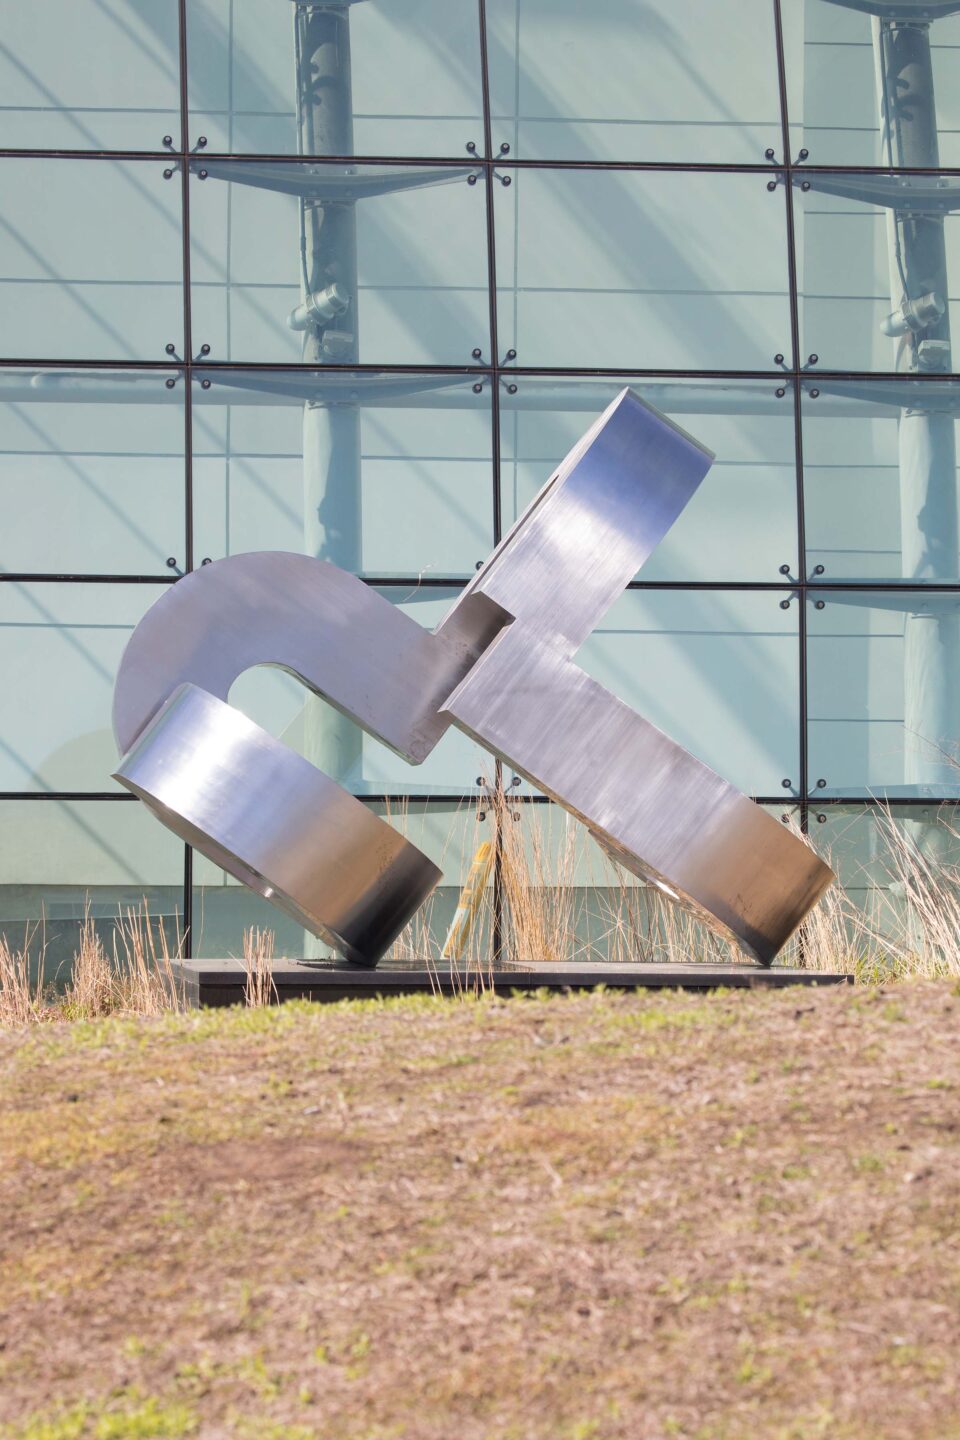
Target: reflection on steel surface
[[499, 666], [340, 637], [277, 823]]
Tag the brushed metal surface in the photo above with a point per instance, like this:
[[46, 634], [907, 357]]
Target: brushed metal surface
[[341, 638], [655, 808], [275, 822], [589, 529], [500, 666]]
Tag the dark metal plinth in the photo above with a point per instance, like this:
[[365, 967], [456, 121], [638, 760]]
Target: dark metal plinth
[[221, 982]]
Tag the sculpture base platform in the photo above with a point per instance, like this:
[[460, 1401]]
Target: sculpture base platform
[[221, 982]]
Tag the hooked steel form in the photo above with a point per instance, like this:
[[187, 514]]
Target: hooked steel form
[[499, 666]]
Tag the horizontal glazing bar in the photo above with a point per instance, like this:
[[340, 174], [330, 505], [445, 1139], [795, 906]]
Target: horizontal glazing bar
[[475, 161], [31, 578], [483, 368], [480, 798], [835, 590]]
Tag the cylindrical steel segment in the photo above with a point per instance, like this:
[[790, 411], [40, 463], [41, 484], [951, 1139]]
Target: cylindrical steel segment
[[269, 818]]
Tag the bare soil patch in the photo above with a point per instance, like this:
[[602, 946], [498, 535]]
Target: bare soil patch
[[590, 1218]]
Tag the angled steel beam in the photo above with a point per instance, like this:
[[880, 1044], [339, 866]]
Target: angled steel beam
[[910, 194]]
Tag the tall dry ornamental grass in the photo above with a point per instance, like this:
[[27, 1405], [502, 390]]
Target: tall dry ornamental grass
[[94, 987], [258, 947], [143, 960], [563, 898], [20, 991], [918, 915], [136, 978]]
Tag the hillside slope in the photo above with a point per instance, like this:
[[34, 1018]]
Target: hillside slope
[[594, 1218]]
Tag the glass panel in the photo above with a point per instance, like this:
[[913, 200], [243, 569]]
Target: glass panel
[[390, 294], [413, 68], [383, 475], [742, 522], [883, 689], [60, 646], [90, 75], [337, 746], [861, 841], [90, 259], [873, 850], [59, 857], [223, 909], [102, 453], [449, 834], [716, 670], [880, 480], [614, 80], [834, 57], [691, 272], [863, 243]]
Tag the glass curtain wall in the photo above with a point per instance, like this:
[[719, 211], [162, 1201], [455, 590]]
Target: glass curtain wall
[[349, 279]]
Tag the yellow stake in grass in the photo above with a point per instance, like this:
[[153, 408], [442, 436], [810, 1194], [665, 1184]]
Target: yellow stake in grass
[[471, 897]]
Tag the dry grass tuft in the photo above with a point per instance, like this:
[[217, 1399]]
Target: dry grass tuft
[[20, 992], [258, 947], [138, 978], [566, 898], [143, 963], [910, 923], [836, 935], [563, 898], [542, 902], [94, 988], [918, 914]]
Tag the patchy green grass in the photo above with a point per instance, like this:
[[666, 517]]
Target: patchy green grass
[[602, 1217]]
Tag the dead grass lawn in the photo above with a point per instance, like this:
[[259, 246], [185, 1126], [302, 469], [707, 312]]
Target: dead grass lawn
[[596, 1218]]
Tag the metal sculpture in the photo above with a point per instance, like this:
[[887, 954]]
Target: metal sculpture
[[499, 666]]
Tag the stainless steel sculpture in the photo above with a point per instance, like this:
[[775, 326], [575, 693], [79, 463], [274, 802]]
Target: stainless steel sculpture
[[499, 666]]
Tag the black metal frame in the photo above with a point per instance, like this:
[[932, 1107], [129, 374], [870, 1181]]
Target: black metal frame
[[498, 370]]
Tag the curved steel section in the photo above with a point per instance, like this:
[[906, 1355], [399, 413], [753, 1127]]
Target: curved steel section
[[272, 820], [339, 636]]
